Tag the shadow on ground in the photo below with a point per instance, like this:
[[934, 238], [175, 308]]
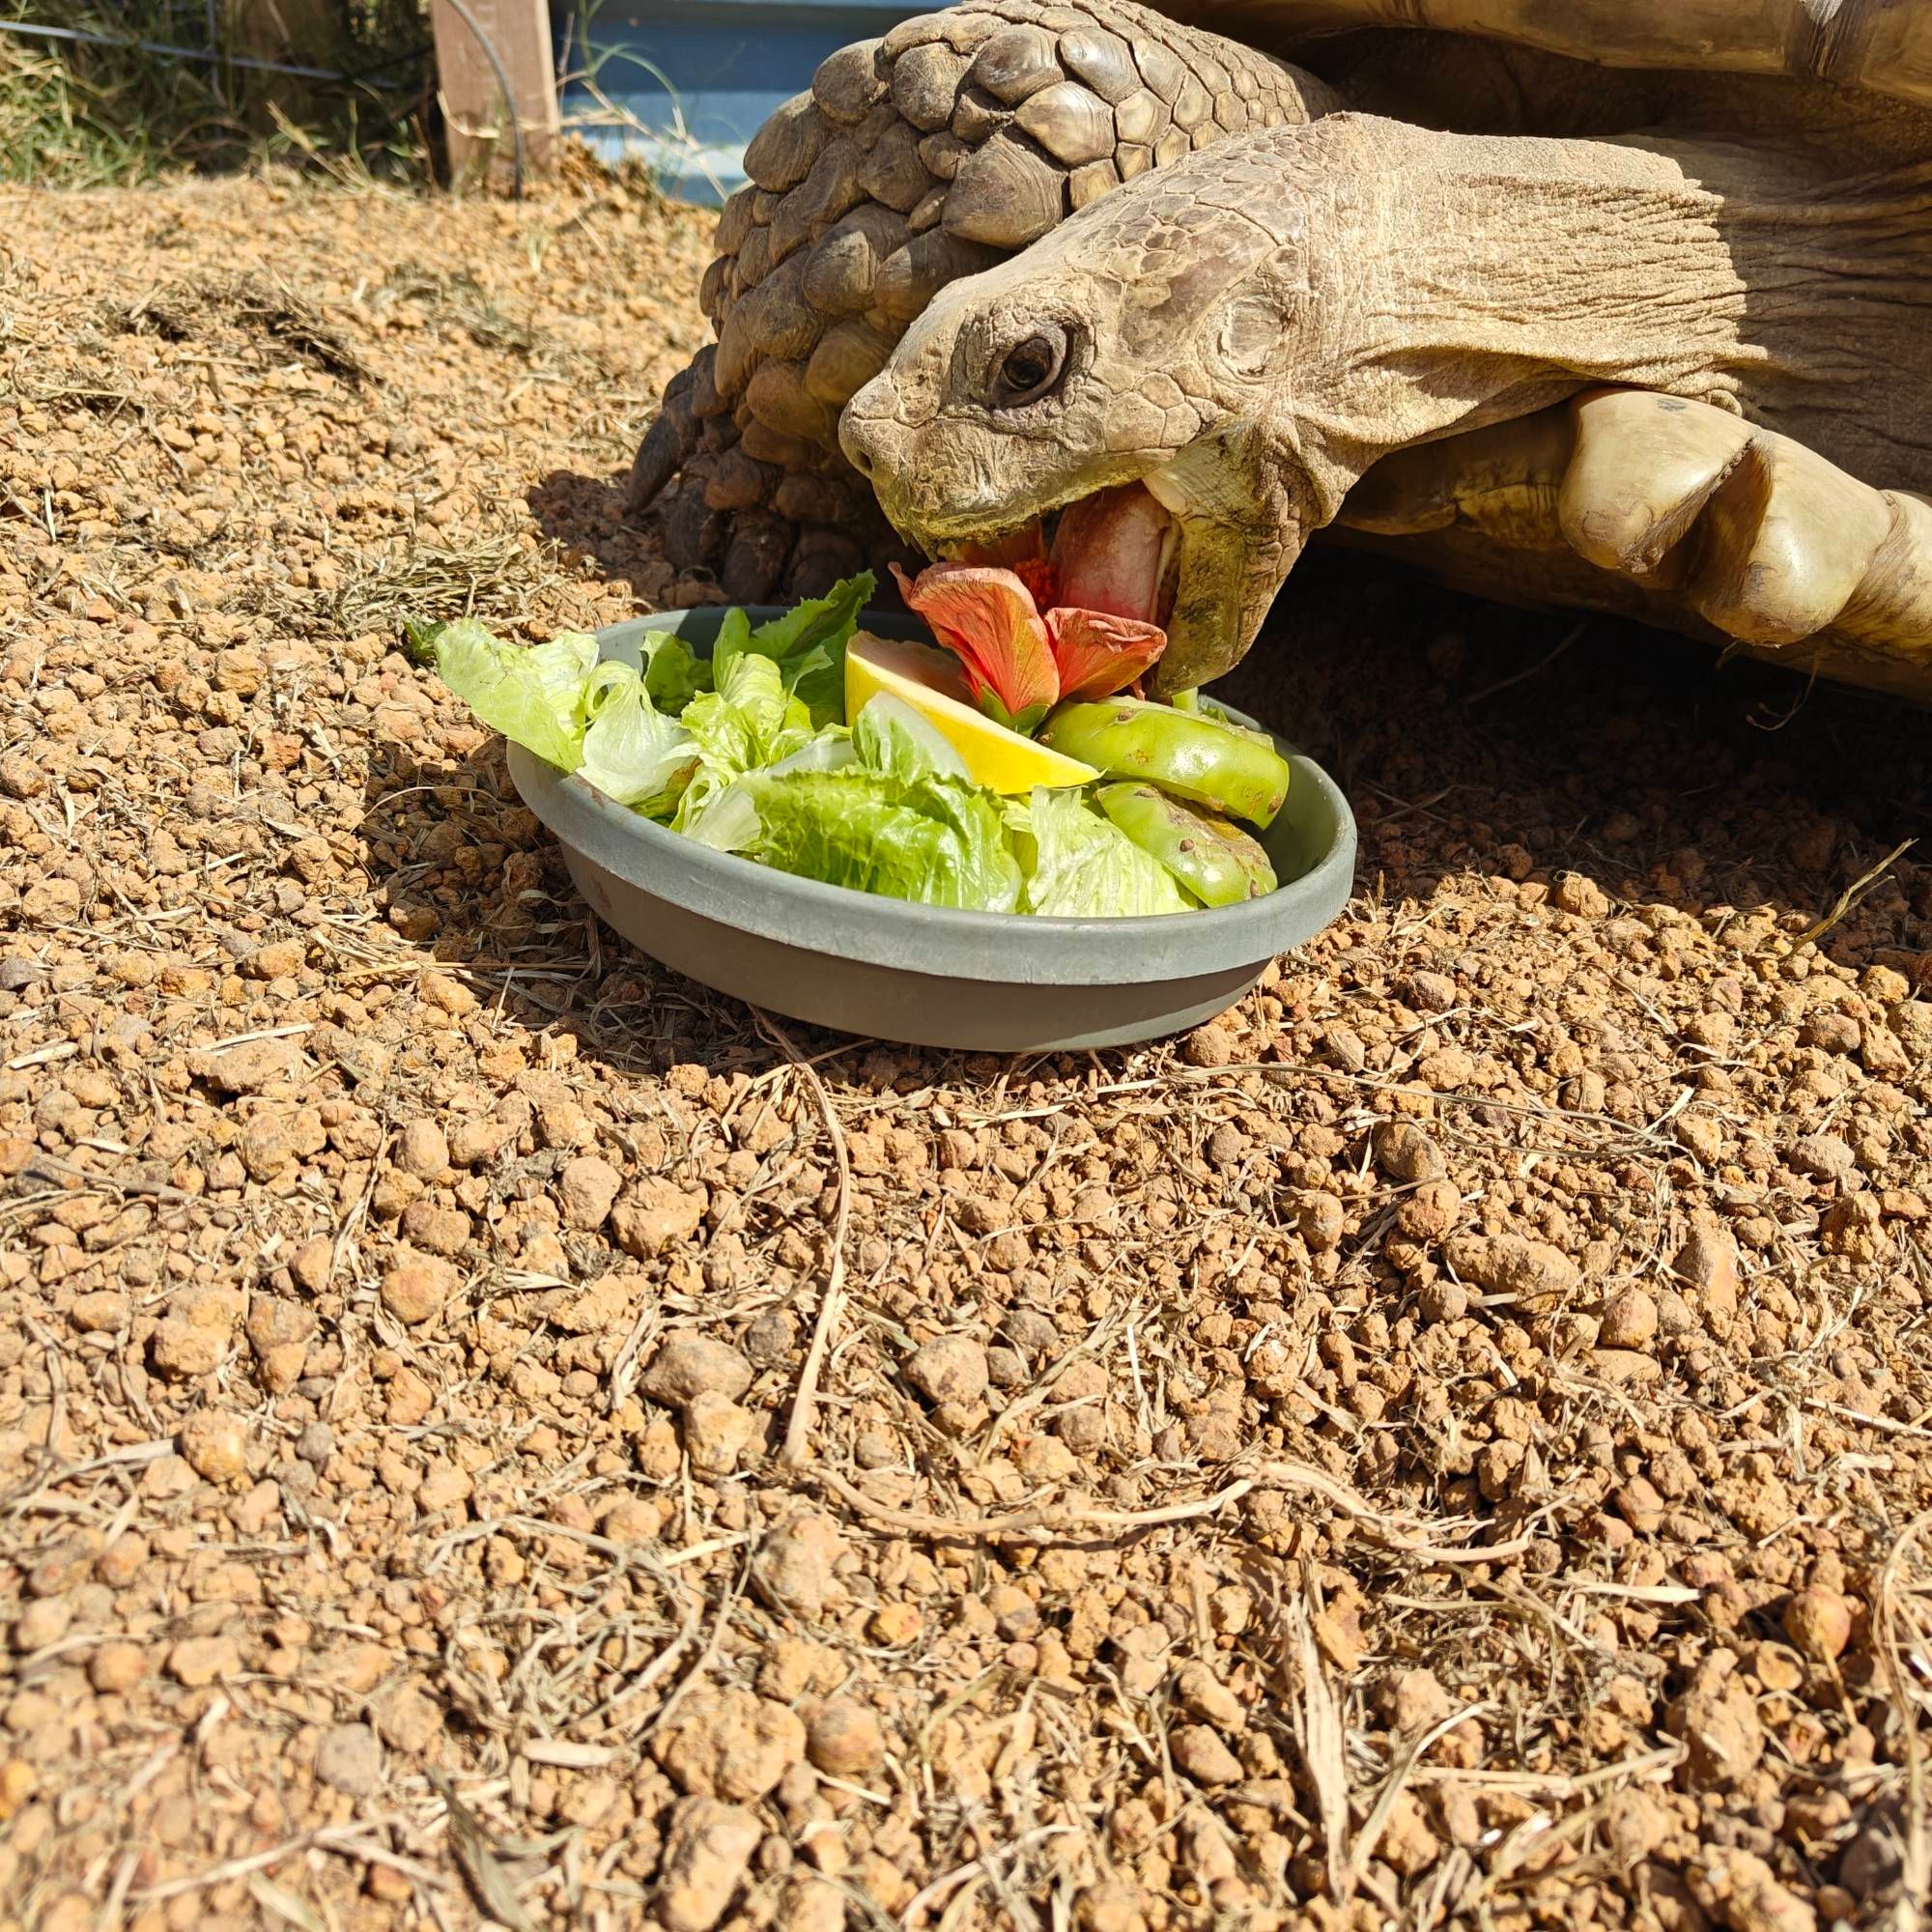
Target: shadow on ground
[[1476, 743], [1477, 740], [585, 516]]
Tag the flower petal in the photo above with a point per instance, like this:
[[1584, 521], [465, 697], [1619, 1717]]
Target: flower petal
[[1098, 653], [986, 616], [1041, 579]]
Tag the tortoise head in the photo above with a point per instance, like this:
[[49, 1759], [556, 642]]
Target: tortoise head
[[1239, 336], [1147, 343]]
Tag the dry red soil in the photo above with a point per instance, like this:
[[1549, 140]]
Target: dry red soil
[[1446, 1445]]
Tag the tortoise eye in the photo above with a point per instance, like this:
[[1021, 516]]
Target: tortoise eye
[[1031, 368]]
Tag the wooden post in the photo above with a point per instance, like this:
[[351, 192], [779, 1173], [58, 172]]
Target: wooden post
[[476, 117]]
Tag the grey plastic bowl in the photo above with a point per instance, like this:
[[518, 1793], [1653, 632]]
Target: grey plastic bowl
[[929, 976]]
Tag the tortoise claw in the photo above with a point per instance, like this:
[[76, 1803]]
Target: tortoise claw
[[669, 439], [1641, 469]]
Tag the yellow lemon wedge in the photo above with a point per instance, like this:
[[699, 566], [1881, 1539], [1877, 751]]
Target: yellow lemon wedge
[[932, 684]]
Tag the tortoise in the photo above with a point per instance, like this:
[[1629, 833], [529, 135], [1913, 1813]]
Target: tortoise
[[1619, 307]]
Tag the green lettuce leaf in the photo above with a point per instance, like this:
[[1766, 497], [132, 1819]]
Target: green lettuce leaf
[[749, 720], [753, 686], [632, 753], [1081, 865], [889, 736], [532, 695], [830, 751], [811, 641], [934, 841], [990, 871], [817, 680], [819, 623], [723, 740], [725, 817], [745, 726], [732, 642], [673, 675]]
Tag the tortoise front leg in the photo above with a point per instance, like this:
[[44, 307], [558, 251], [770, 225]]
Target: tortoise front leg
[[1675, 512]]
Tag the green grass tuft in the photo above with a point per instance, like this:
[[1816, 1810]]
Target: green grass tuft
[[79, 115]]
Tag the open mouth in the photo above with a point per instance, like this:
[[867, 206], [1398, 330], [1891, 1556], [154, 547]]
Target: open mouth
[[1117, 552], [1074, 605]]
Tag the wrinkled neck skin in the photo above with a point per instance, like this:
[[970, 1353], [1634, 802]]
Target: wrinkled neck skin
[[1256, 326]]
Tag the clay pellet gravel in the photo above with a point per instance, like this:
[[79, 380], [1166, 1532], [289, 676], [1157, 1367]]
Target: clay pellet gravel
[[1448, 1444]]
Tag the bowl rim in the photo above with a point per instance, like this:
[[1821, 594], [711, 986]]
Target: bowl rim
[[947, 942]]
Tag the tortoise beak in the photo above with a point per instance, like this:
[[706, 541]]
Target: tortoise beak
[[1228, 569], [866, 437]]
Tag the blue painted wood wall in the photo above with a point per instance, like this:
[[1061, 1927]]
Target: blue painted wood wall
[[691, 80]]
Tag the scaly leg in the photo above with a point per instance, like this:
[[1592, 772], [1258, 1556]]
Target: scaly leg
[[1677, 513]]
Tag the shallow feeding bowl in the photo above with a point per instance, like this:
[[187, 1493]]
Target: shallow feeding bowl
[[932, 975]]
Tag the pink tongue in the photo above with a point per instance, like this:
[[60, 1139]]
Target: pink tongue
[[1106, 553]]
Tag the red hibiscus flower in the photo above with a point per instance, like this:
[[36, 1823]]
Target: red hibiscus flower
[[1018, 663]]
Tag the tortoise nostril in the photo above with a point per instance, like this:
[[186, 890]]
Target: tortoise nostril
[[855, 439]]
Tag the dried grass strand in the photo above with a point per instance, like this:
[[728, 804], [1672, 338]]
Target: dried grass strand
[[797, 1429]]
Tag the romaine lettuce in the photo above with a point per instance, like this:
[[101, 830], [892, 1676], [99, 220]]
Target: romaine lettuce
[[633, 754], [673, 675], [732, 642], [747, 721], [533, 695], [1081, 865], [817, 622], [889, 736], [935, 840], [831, 750], [727, 822], [887, 809], [809, 643]]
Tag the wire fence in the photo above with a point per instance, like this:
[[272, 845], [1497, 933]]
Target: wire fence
[[93, 91], [96, 93]]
